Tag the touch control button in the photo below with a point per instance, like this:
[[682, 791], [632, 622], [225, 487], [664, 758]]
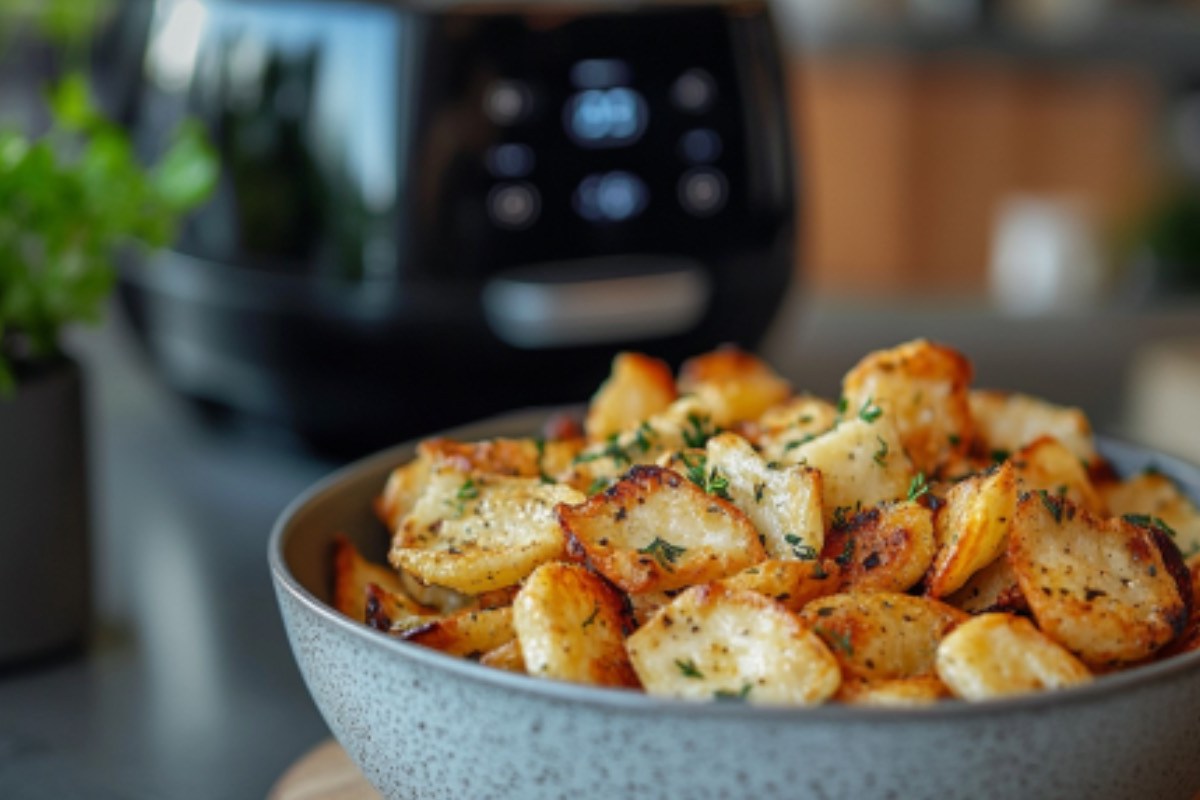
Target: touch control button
[[694, 91], [611, 197], [700, 146], [514, 205], [507, 102], [510, 160], [703, 191]]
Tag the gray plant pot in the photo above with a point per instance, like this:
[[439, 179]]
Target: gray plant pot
[[44, 544]]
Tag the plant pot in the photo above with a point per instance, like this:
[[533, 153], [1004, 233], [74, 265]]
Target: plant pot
[[44, 545]]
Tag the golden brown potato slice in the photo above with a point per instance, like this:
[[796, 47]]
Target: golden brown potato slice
[[882, 635], [972, 529], [792, 584], [394, 612], [1005, 422], [736, 385], [922, 388], [637, 388], [474, 533], [529, 458], [792, 420], [507, 657], [993, 588], [783, 502], [655, 530], [885, 548], [861, 464], [1108, 590], [994, 655], [1153, 498], [469, 633], [894, 692], [1046, 464], [571, 627], [351, 575], [718, 643]]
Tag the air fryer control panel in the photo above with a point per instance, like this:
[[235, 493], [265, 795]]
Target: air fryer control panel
[[549, 137]]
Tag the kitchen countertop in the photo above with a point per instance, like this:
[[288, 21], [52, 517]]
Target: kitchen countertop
[[189, 690]]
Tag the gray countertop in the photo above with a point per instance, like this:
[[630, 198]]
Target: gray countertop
[[189, 690]]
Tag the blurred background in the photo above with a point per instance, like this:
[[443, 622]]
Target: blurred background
[[432, 212]]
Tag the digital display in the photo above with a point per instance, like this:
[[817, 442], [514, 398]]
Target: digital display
[[613, 117]]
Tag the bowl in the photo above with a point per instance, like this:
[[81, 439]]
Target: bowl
[[421, 724]]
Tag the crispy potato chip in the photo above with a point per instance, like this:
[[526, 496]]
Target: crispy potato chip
[[861, 463], [1046, 464], [994, 655], [656, 530], [972, 529], [351, 575], [712, 642], [571, 626], [882, 635], [790, 583], [885, 548], [507, 656], [783, 502], [1153, 496], [893, 692], [993, 588], [638, 387], [1008, 421], [475, 533], [736, 385], [469, 633], [922, 388], [1107, 590]]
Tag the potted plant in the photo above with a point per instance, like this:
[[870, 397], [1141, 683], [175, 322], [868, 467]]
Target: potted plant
[[70, 200]]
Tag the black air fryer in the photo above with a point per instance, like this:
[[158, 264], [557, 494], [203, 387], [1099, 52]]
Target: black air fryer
[[431, 214]]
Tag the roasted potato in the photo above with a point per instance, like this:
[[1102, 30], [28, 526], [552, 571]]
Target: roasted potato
[[993, 588], [571, 626], [972, 529], [474, 533], [352, 574], [790, 583], [1047, 465], [736, 385], [655, 530], [718, 643], [1108, 590], [638, 388], [1153, 498], [994, 655], [469, 633], [886, 548], [922, 389], [1005, 422]]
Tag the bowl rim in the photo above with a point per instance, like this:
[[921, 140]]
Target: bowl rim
[[628, 700]]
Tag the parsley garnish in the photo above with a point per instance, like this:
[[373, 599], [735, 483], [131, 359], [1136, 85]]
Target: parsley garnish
[[598, 485], [869, 411], [663, 552], [839, 640], [918, 486], [842, 405], [954, 439], [1053, 506], [847, 555], [759, 490], [688, 668], [1147, 521], [710, 480], [725, 694], [999, 455], [802, 551], [468, 491], [882, 453], [698, 431]]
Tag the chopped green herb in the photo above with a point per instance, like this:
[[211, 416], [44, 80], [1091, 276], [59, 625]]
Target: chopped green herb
[[725, 694], [794, 443], [918, 486], [802, 551], [839, 518], [869, 411], [882, 453], [599, 484], [698, 431], [842, 405], [847, 555], [663, 552], [1052, 505], [644, 436], [836, 638], [1000, 455], [468, 491], [955, 439], [759, 490], [688, 668], [1147, 521]]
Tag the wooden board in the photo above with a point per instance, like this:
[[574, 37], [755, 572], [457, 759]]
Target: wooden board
[[324, 773]]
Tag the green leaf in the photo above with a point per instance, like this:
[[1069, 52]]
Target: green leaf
[[188, 172]]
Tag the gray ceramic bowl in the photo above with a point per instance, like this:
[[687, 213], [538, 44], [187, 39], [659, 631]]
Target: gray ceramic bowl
[[424, 725]]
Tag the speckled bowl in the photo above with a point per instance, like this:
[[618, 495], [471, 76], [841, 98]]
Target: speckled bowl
[[424, 725]]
